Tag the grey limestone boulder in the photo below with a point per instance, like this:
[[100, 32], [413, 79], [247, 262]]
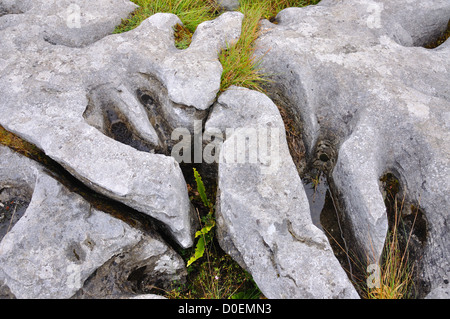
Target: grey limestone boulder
[[354, 75], [61, 240], [229, 5], [102, 111], [262, 213]]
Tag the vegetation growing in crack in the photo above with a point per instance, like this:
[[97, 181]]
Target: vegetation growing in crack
[[98, 201], [204, 235], [217, 275], [396, 271], [183, 36], [403, 247], [395, 277], [23, 147], [437, 42], [212, 274], [240, 68]]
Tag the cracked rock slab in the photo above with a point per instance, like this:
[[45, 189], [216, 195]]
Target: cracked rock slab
[[353, 73], [263, 215], [95, 109], [61, 240], [66, 22]]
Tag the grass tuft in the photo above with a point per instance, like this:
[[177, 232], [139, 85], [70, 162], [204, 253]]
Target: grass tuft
[[190, 12], [395, 275], [396, 272], [240, 68]]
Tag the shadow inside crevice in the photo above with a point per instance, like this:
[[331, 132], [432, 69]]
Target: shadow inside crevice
[[435, 43]]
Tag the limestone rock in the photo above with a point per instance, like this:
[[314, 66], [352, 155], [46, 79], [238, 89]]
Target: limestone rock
[[262, 212], [61, 241], [352, 72], [85, 107], [66, 22], [229, 5]]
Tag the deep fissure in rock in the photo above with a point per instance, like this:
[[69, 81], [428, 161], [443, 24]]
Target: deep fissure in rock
[[104, 115], [326, 204], [434, 43], [152, 105], [410, 224], [12, 197], [339, 230]]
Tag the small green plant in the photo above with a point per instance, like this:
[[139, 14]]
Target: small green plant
[[204, 235], [218, 276]]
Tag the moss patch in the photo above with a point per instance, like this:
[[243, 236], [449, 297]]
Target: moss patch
[[183, 36], [440, 40]]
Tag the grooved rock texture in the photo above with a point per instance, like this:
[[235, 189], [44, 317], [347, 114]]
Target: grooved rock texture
[[61, 241], [352, 73], [66, 22], [368, 98], [85, 107], [263, 215]]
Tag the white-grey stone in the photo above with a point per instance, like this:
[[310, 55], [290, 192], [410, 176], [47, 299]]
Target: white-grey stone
[[64, 100], [61, 240], [352, 71], [263, 215], [67, 22], [229, 5]]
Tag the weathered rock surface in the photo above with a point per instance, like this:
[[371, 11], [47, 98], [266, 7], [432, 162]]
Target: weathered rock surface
[[69, 102], [353, 75], [228, 5], [62, 240], [103, 106], [66, 22], [262, 213]]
